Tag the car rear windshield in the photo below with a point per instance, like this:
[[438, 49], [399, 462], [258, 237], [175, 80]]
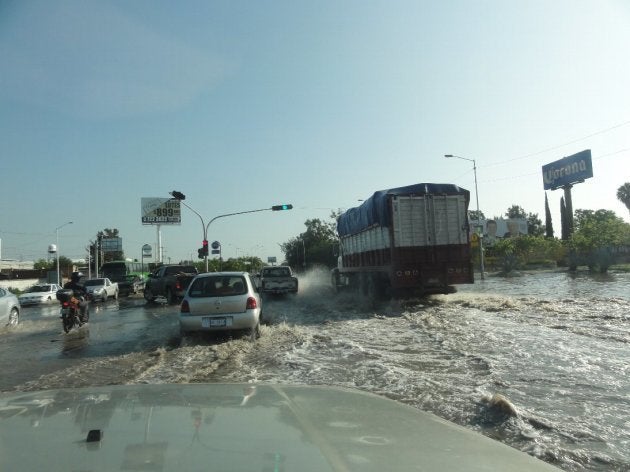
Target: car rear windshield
[[218, 286], [180, 270], [277, 272], [40, 288], [94, 282]]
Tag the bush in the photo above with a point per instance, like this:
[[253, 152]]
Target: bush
[[518, 253]]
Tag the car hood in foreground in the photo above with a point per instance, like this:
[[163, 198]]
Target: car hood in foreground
[[237, 427]]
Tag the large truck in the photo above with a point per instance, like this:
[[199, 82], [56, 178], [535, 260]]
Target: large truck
[[404, 242]]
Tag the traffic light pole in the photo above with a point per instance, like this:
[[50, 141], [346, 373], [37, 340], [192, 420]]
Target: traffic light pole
[[204, 228], [180, 197]]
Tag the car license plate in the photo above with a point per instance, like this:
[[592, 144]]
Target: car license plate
[[208, 322]]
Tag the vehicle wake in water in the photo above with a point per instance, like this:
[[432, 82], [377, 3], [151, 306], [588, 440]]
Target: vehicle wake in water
[[539, 362]]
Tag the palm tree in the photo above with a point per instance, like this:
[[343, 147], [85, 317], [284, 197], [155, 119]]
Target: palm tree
[[623, 194]]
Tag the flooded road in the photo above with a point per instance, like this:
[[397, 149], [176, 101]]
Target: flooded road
[[539, 362]]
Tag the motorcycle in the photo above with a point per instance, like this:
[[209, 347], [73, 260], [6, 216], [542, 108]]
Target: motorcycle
[[70, 312]]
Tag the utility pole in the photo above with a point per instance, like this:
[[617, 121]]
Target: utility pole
[[480, 236], [57, 233]]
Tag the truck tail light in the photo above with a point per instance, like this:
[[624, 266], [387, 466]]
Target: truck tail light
[[185, 308], [251, 303]]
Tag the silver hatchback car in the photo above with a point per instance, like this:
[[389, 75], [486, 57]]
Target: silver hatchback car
[[9, 308], [221, 301]]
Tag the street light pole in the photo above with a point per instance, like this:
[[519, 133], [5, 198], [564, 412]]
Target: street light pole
[[57, 233], [204, 228], [481, 256]]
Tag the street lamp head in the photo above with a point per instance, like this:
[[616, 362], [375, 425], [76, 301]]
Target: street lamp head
[[460, 157], [177, 195], [59, 227]]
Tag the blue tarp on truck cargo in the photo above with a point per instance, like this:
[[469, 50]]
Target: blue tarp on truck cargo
[[375, 210]]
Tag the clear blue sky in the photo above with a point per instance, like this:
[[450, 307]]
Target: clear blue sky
[[242, 105]]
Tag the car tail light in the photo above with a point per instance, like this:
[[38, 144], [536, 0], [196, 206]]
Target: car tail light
[[185, 308], [178, 285], [251, 303]]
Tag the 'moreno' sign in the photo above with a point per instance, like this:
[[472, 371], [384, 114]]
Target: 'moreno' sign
[[568, 170]]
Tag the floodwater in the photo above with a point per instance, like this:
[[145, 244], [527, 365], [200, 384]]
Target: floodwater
[[539, 362]]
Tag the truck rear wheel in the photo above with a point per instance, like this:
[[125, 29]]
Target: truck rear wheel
[[334, 280], [372, 287], [148, 295], [170, 297], [254, 333]]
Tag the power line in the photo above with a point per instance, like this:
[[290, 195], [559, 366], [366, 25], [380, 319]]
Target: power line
[[538, 172], [553, 148]]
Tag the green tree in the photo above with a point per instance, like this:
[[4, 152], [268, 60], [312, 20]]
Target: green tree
[[519, 253], [623, 194], [65, 264], [475, 215], [534, 224], [597, 234], [516, 211], [313, 246], [548, 223], [249, 264], [43, 264]]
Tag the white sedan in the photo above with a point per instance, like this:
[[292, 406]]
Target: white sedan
[[38, 294]]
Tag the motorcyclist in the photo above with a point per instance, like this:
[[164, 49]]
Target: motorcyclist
[[79, 293]]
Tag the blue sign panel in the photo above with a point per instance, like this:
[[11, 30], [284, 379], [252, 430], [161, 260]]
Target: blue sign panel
[[568, 170]]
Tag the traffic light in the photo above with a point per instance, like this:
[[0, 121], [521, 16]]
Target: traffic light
[[204, 247], [286, 206], [200, 253]]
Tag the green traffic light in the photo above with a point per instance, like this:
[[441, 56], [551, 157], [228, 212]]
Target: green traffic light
[[286, 206]]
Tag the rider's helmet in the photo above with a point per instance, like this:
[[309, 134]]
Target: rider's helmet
[[76, 276]]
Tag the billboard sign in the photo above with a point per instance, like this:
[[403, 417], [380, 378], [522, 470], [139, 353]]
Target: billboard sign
[[160, 211], [568, 170], [111, 244], [493, 230]]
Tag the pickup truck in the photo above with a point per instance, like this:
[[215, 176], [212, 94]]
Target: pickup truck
[[169, 281], [278, 279], [101, 289]]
